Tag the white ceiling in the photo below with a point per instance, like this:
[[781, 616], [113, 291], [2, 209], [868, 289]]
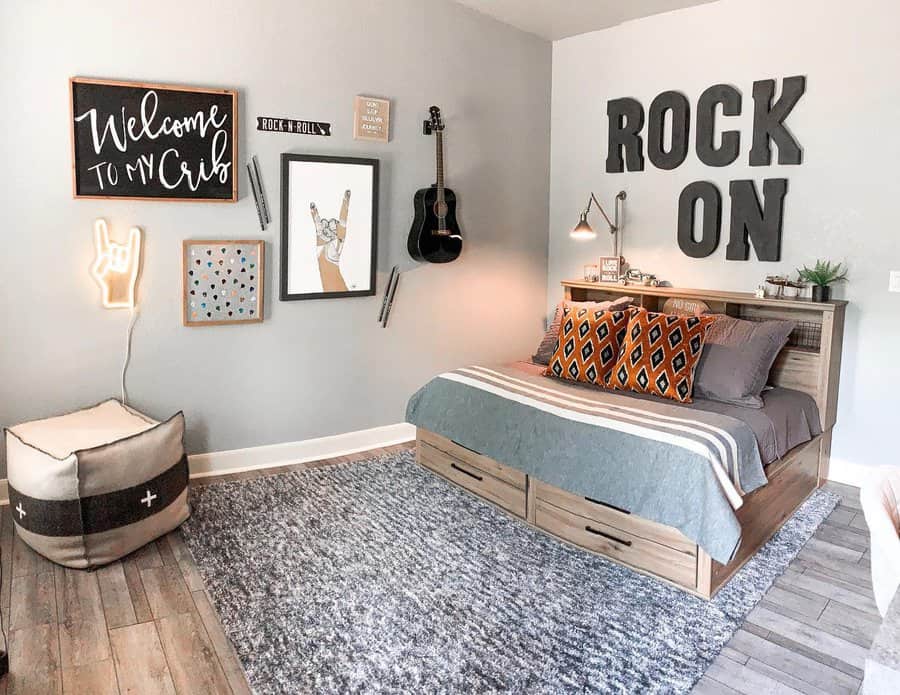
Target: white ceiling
[[557, 19]]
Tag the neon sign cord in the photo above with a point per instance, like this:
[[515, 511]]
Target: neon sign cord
[[128, 334]]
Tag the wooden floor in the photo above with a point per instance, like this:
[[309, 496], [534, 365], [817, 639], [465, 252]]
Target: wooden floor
[[812, 630], [146, 625]]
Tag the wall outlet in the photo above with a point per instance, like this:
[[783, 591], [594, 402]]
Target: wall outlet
[[894, 284]]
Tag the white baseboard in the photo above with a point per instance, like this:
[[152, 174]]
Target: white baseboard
[[287, 453], [274, 455], [849, 473]]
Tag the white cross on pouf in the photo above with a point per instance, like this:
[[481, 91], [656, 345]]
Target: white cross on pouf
[[148, 500], [21, 510]]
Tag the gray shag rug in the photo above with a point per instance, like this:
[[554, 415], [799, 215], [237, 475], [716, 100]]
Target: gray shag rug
[[381, 577]]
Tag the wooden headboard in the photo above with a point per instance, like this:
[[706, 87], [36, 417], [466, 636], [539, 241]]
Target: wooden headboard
[[810, 362]]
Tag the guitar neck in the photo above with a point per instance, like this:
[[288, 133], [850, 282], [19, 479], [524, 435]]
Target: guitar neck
[[439, 145]]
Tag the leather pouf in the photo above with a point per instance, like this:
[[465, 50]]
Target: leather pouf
[[89, 487]]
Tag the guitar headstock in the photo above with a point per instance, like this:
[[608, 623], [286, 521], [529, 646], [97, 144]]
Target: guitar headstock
[[434, 123]]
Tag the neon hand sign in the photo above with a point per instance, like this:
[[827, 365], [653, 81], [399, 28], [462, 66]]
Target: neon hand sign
[[116, 266]]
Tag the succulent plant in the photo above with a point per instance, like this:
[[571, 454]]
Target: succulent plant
[[823, 273]]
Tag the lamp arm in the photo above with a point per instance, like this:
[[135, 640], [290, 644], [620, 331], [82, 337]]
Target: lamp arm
[[609, 222], [612, 224]]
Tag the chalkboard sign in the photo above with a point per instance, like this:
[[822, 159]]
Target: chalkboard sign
[[153, 141]]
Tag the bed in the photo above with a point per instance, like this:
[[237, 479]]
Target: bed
[[685, 492]]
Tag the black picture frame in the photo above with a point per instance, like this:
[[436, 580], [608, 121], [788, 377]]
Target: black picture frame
[[286, 159]]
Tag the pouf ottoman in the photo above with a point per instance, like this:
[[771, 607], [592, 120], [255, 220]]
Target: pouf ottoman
[[89, 487]]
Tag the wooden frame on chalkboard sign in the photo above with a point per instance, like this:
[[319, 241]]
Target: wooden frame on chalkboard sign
[[222, 281], [233, 168]]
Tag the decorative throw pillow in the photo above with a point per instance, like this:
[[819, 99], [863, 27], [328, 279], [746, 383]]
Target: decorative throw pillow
[[588, 345], [548, 344], [659, 354], [737, 359]]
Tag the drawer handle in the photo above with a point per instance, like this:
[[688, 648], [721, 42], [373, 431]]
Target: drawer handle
[[609, 506], [607, 536], [463, 470]]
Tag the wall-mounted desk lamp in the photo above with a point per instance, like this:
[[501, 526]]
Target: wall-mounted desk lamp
[[611, 267], [583, 230]]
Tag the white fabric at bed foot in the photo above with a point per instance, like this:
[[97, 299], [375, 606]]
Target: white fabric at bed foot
[[880, 500]]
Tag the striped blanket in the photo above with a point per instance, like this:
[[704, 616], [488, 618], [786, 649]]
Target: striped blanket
[[678, 466]]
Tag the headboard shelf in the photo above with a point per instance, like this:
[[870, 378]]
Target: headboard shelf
[[810, 362], [577, 287]]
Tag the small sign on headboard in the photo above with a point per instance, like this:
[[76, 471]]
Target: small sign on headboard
[[686, 307], [152, 141]]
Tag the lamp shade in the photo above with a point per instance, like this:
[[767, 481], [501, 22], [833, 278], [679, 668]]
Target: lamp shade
[[583, 231]]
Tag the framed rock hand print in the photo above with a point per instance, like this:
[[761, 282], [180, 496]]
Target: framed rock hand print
[[329, 221]]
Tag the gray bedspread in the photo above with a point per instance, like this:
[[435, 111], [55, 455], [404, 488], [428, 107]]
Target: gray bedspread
[[787, 418], [683, 467]]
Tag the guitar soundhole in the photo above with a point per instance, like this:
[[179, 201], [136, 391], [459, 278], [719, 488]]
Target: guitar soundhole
[[440, 209]]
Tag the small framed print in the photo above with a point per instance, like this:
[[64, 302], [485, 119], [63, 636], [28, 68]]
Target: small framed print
[[222, 281], [371, 119], [610, 268]]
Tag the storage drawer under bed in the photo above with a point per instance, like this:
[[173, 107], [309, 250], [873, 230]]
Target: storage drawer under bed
[[611, 516], [679, 566], [502, 485]]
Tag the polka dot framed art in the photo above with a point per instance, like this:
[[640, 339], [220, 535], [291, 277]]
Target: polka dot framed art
[[222, 281]]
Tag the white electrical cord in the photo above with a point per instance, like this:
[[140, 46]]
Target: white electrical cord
[[134, 317]]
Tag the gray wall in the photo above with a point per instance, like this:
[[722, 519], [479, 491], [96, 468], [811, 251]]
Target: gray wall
[[313, 368], [841, 202]]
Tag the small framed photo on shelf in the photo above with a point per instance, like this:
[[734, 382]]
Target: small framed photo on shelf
[[329, 226], [222, 281], [610, 268], [591, 273]]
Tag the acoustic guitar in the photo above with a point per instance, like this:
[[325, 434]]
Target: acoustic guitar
[[435, 236]]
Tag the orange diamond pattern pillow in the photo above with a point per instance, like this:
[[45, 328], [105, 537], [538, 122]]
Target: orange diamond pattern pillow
[[659, 354], [588, 346]]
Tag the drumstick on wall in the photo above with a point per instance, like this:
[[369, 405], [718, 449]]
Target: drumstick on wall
[[262, 192], [259, 212], [391, 292], [387, 289]]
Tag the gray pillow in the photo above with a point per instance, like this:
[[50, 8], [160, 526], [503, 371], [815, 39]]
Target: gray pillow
[[736, 360], [548, 344]]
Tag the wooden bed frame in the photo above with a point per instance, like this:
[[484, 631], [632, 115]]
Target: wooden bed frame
[[811, 363]]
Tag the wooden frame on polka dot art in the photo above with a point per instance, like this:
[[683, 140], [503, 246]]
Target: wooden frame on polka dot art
[[223, 281]]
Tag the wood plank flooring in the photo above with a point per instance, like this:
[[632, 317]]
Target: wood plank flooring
[[812, 630], [146, 625]]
